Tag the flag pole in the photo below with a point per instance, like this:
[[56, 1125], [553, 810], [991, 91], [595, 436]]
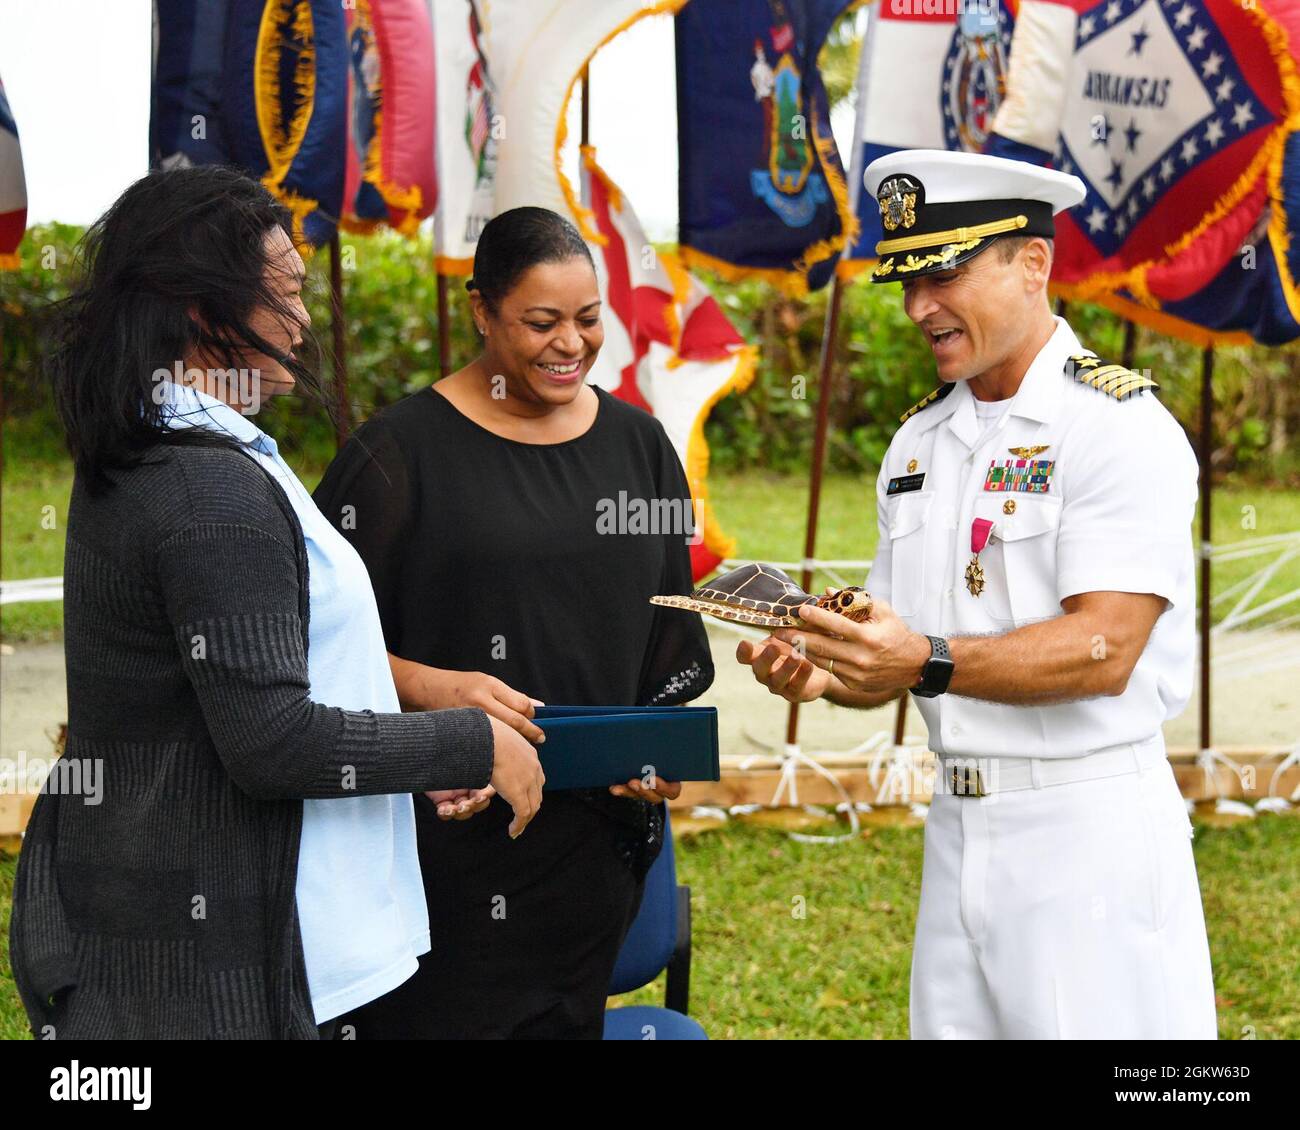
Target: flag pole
[[342, 410], [444, 328], [1130, 343], [826, 367], [1204, 449], [440, 279], [825, 377], [584, 133]]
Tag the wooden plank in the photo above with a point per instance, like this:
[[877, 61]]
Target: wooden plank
[[758, 786], [15, 811]]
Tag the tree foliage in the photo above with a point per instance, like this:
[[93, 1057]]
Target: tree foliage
[[882, 364]]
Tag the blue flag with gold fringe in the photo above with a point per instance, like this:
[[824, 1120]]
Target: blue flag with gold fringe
[[762, 191], [261, 84]]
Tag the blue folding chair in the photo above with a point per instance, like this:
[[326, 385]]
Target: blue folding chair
[[659, 939]]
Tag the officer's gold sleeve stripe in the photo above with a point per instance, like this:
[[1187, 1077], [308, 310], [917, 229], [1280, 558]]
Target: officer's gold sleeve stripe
[[1131, 386], [1136, 381], [1105, 376], [953, 235], [1113, 375]]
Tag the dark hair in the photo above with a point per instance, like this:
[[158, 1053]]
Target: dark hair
[[516, 241], [175, 241], [1009, 246]]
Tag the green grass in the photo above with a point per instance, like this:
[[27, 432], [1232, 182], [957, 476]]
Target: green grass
[[34, 496], [765, 513], [841, 971], [13, 1021]]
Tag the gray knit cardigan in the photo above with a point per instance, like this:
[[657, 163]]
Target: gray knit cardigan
[[167, 909]]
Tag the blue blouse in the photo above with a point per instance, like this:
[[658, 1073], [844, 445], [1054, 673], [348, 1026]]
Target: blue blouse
[[361, 905]]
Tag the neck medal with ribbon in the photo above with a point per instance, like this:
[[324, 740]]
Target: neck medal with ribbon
[[980, 529]]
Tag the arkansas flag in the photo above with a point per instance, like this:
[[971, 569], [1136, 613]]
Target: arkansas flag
[[13, 188], [1179, 117], [926, 80], [669, 348]]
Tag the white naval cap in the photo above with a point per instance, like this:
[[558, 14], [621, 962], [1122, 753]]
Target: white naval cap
[[940, 208]]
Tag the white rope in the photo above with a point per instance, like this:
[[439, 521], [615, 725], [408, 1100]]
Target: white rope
[[1255, 641], [1207, 760], [35, 589], [1256, 612], [1261, 579], [1292, 758], [1252, 547], [793, 758], [1233, 674]]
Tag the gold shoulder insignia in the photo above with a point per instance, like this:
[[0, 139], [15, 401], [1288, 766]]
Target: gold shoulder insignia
[[1113, 380], [930, 398]]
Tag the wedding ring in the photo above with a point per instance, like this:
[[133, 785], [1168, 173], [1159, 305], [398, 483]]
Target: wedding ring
[[830, 667]]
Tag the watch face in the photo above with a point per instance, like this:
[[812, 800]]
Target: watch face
[[937, 673]]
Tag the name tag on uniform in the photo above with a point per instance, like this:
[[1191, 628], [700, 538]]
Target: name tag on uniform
[[904, 483], [1032, 475]]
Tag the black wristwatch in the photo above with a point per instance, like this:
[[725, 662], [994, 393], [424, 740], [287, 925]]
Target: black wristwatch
[[937, 672]]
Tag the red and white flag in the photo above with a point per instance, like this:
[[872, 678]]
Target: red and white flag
[[669, 348], [13, 188], [507, 71]]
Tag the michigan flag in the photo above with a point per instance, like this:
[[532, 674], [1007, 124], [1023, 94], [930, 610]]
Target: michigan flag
[[762, 190]]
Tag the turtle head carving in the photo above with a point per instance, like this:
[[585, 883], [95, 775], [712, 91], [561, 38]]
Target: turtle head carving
[[853, 603]]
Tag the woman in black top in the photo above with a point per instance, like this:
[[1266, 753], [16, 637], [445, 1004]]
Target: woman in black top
[[483, 509]]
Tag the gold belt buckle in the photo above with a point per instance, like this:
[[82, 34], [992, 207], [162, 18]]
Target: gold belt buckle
[[966, 781]]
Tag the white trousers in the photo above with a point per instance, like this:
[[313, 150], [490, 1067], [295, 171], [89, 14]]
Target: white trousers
[[1069, 911]]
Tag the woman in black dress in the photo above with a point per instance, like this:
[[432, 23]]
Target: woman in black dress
[[481, 506]]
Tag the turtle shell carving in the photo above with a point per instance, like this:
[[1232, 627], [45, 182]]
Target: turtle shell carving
[[765, 596]]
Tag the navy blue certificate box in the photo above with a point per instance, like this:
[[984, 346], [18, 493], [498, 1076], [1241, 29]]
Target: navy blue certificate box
[[592, 747]]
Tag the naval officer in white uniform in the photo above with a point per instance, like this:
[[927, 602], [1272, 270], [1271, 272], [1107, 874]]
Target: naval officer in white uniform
[[1034, 591]]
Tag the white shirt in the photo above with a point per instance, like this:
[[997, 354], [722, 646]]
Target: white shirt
[[1116, 516], [361, 905], [989, 412]]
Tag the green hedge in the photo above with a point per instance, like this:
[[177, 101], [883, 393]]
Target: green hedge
[[883, 365]]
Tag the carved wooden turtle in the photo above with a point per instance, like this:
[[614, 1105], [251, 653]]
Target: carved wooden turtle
[[764, 595]]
